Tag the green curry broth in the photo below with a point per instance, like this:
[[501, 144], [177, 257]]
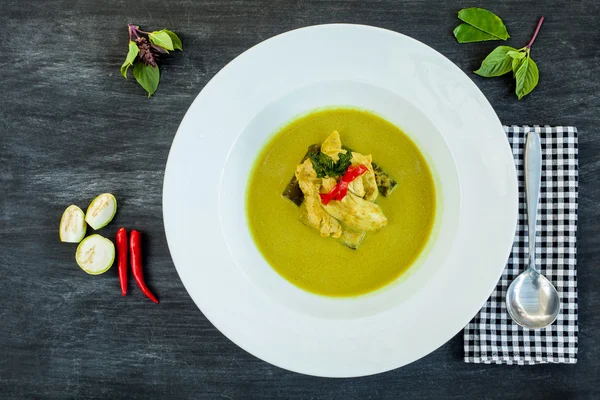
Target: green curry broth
[[324, 265]]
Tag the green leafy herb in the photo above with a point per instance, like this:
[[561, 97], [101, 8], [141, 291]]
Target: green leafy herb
[[147, 76], [466, 33], [485, 21], [145, 48], [527, 77], [479, 25], [177, 45], [516, 63], [516, 54], [497, 63], [131, 55], [517, 59], [325, 166], [504, 59], [161, 39]]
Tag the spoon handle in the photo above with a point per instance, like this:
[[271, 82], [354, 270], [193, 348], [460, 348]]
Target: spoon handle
[[533, 180]]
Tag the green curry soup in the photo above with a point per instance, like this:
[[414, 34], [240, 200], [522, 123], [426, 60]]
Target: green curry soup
[[324, 265]]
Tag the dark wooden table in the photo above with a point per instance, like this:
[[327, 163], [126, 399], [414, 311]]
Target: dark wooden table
[[71, 127]]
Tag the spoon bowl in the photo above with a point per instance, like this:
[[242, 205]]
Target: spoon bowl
[[532, 301]]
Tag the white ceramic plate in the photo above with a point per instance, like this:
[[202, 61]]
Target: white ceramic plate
[[409, 84]]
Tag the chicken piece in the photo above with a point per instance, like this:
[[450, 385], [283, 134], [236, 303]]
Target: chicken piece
[[368, 178], [313, 215], [357, 187], [312, 212], [357, 213], [369, 185], [332, 146], [327, 184]]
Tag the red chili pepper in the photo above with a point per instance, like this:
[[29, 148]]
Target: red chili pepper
[[122, 254], [340, 190], [135, 248], [354, 172], [327, 197]]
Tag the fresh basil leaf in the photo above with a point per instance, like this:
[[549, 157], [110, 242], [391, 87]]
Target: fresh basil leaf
[[131, 55], [516, 54], [466, 33], [162, 39], [322, 164], [496, 63], [516, 63], [124, 69], [343, 162], [484, 20], [527, 77], [517, 59], [175, 39], [325, 167], [147, 76]]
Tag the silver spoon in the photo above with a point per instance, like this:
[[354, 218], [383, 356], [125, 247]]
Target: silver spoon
[[531, 300]]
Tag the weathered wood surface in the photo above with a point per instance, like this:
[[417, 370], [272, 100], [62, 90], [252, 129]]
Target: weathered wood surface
[[71, 127]]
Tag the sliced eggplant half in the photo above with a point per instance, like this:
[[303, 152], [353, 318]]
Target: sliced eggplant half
[[95, 254]]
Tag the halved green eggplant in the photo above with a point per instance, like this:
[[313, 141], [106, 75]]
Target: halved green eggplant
[[72, 225], [95, 254], [101, 211]]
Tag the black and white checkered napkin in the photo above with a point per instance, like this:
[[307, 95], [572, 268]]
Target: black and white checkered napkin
[[492, 337]]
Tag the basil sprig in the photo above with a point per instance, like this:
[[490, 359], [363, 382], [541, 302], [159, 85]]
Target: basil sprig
[[144, 50], [504, 59]]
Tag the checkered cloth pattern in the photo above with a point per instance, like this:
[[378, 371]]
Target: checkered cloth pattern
[[492, 337]]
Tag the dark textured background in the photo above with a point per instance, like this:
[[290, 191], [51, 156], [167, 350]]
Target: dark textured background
[[71, 127]]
